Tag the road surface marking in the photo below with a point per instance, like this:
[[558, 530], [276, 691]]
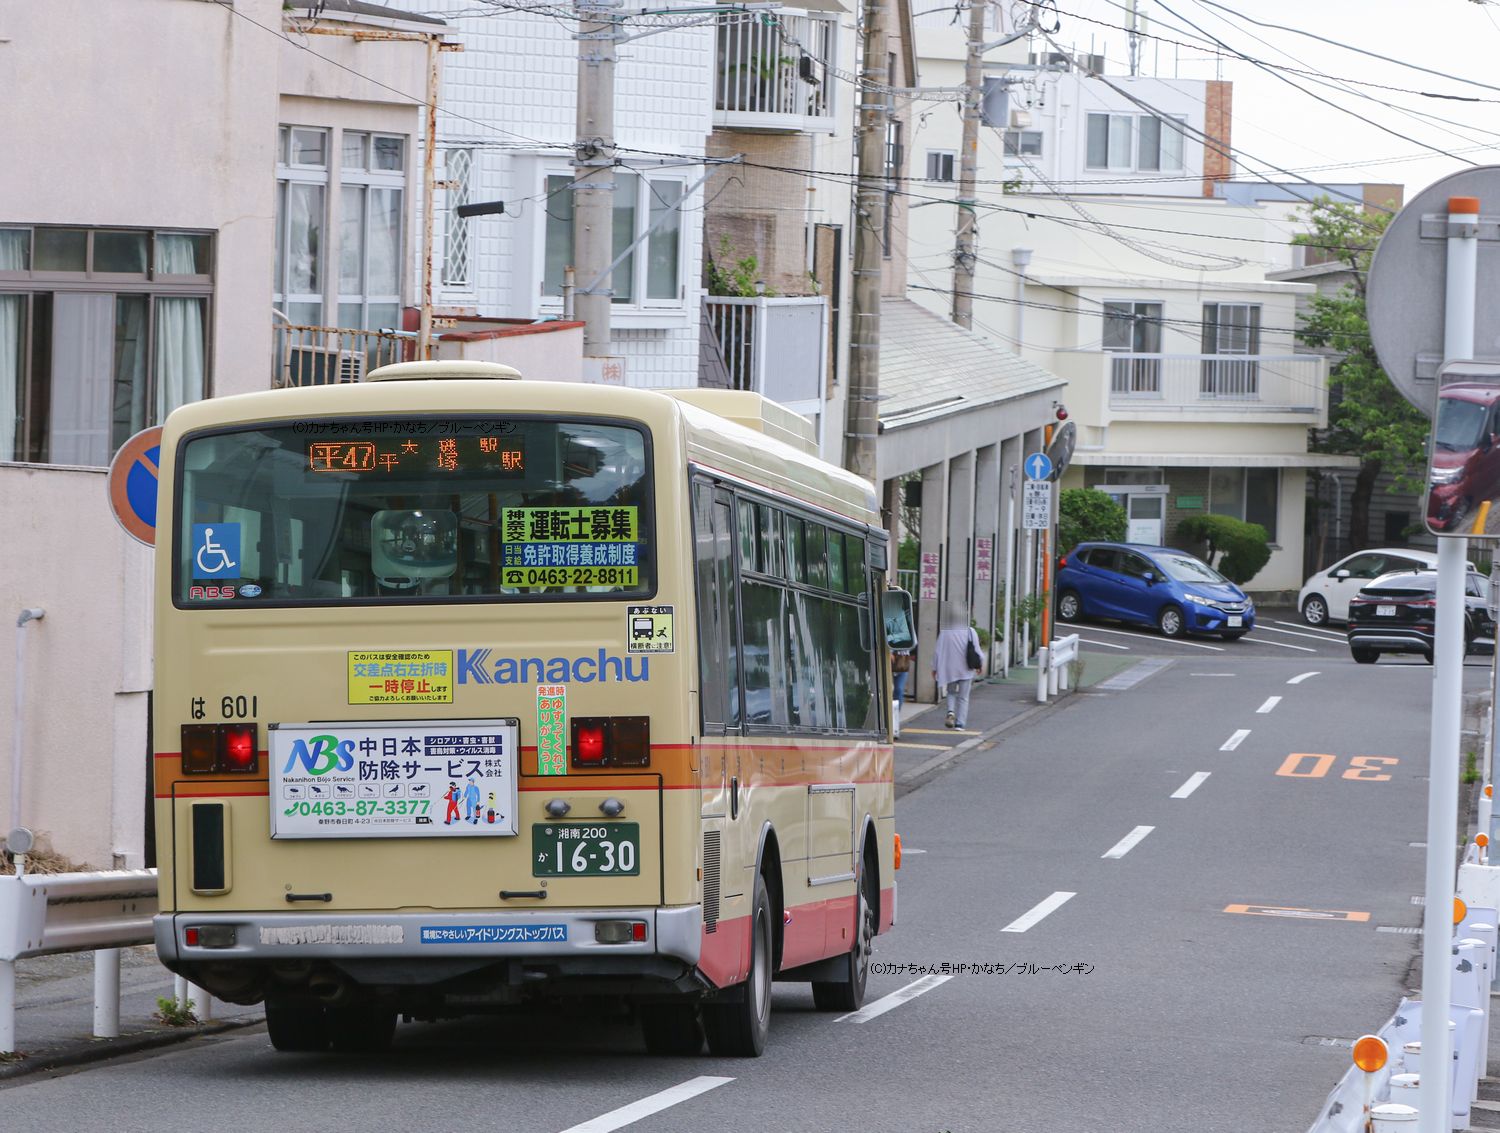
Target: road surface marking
[[937, 732], [1128, 843], [1402, 931], [635, 1111], [1300, 677], [1281, 644], [894, 1000], [1193, 783], [1050, 905], [1105, 644], [1133, 675], [1305, 631], [1213, 674], [1297, 914], [1271, 702], [923, 747], [1152, 637], [1419, 900], [1235, 740]]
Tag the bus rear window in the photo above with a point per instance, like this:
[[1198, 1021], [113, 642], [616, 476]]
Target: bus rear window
[[416, 509]]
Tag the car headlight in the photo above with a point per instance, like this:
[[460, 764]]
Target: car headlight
[[1442, 476], [1200, 600]]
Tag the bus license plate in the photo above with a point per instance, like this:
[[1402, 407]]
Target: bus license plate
[[585, 849]]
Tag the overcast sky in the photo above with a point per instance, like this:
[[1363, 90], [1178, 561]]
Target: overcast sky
[[1278, 124]]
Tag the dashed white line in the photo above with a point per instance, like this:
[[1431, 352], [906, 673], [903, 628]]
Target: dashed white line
[[1149, 637], [1281, 644], [1194, 782], [894, 1000], [1050, 905], [1271, 702], [1235, 740], [635, 1111], [1105, 644], [1128, 843], [1304, 631], [1213, 674], [1300, 677]]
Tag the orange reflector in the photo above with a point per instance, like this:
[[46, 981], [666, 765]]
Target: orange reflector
[[1489, 790], [1481, 840], [898, 851], [1370, 1053], [1460, 910]]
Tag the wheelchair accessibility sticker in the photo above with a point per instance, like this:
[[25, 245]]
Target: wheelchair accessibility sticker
[[216, 550]]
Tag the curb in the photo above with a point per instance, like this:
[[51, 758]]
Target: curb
[[97, 1050]]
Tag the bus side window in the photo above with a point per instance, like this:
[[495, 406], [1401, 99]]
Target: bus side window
[[718, 645]]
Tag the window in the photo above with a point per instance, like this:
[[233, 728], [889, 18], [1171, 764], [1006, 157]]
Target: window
[[301, 214], [102, 333], [1128, 141], [641, 201], [1250, 494], [1230, 329], [940, 164], [1133, 328], [1396, 523], [458, 164], [1023, 143], [373, 172]]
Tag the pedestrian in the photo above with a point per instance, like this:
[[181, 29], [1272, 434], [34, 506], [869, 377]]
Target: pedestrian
[[956, 661], [901, 663]]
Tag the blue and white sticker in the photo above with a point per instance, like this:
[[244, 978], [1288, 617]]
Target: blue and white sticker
[[216, 550], [250, 590]]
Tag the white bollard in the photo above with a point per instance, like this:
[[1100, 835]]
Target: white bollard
[[107, 993], [1404, 1089], [1041, 675], [203, 1003], [1393, 1117], [1411, 1057]]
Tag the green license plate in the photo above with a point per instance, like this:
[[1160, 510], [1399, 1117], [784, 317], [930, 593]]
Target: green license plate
[[585, 849]]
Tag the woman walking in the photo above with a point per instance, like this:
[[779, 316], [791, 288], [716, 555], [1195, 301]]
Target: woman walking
[[956, 661]]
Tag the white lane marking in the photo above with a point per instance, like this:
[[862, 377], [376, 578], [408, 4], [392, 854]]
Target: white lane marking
[[1213, 674], [666, 1099], [1105, 644], [1271, 702], [1149, 637], [894, 1000], [1128, 843], [1235, 740], [1300, 677], [1193, 783], [1279, 644], [1050, 905], [1306, 631], [909, 850]]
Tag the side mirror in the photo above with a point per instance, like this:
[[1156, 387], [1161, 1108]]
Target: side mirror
[[1341, 573], [1149, 578], [900, 625]]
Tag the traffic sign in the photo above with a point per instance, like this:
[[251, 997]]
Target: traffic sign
[[1060, 451], [1037, 466], [132, 484], [1036, 506]]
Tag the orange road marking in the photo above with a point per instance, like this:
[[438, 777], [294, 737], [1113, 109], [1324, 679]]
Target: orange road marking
[[1297, 914]]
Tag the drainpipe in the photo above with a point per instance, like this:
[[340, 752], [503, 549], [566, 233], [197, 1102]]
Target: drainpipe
[[29, 614]]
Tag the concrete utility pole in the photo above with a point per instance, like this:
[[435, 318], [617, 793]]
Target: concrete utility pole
[[593, 172], [966, 247], [861, 415]]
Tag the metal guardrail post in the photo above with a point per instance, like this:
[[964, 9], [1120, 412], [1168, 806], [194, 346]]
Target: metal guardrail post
[[1041, 675], [7, 1007], [107, 993]]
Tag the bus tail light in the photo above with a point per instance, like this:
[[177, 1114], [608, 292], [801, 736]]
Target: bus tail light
[[619, 932], [210, 749], [611, 741]]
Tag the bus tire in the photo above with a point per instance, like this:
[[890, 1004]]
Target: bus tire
[[847, 993], [671, 1028], [362, 1029], [296, 1027], [736, 1026]]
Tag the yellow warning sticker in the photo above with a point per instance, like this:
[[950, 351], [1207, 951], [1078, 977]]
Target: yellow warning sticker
[[648, 629], [414, 677]]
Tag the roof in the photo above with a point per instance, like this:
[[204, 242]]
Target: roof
[[930, 367]]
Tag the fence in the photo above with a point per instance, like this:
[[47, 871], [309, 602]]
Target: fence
[[321, 356]]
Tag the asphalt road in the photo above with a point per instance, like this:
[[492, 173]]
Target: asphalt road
[[1170, 899]]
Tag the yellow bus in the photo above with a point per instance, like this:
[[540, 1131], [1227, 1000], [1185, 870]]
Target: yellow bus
[[472, 691]]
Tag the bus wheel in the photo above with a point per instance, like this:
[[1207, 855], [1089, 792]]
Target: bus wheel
[[737, 1026], [671, 1028], [296, 1027], [365, 1029], [847, 992]]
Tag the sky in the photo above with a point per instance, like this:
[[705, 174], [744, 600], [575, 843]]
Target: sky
[[1368, 134]]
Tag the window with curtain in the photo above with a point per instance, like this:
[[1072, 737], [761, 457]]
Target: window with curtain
[[373, 175], [301, 214], [86, 362], [1251, 494], [651, 275]]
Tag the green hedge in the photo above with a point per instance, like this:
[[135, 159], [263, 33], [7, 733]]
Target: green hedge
[[1086, 515], [1243, 548]]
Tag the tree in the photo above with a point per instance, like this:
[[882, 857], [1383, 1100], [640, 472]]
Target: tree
[[1242, 547], [1085, 515], [1367, 416]]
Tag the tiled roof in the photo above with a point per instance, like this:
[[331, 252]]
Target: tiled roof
[[932, 367]]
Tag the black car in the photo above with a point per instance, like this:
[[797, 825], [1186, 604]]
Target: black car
[[1397, 614]]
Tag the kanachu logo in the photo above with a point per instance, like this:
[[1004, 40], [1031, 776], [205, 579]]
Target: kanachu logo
[[320, 755]]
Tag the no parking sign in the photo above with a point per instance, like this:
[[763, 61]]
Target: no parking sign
[[133, 478]]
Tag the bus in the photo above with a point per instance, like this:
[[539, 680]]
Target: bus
[[474, 691]]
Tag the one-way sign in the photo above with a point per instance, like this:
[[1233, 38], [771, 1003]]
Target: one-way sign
[[1038, 466]]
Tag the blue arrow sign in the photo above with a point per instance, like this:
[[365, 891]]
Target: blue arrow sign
[[1038, 466]]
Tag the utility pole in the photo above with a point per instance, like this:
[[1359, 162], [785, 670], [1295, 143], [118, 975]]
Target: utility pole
[[593, 172], [966, 248], [861, 416]]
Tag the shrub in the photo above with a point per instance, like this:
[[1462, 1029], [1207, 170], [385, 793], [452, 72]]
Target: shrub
[[1242, 547], [1086, 515]]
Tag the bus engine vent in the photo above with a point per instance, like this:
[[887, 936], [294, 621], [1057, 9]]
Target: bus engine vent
[[711, 880]]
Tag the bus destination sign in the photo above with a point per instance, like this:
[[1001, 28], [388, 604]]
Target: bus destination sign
[[504, 457]]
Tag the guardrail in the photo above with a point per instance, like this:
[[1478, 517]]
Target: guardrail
[[44, 914], [1052, 666]]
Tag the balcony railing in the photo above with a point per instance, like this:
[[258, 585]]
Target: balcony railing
[[773, 74], [1217, 382], [774, 347], [320, 356]]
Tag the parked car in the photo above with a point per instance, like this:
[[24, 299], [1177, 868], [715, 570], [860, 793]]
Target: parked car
[[1397, 614], [1325, 596], [1158, 586], [1465, 469]]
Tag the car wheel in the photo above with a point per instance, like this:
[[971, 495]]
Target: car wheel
[[1365, 656], [1069, 606], [1315, 610], [671, 1028], [1170, 622]]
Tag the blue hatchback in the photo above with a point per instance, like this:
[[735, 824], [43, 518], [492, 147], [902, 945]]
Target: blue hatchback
[[1158, 586]]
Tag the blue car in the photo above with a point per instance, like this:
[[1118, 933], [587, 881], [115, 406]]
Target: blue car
[[1158, 586]]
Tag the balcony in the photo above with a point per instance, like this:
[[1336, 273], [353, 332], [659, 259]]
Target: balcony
[[320, 356], [775, 347], [772, 74]]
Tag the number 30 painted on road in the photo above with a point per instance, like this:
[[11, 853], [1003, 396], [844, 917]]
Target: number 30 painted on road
[[1363, 767]]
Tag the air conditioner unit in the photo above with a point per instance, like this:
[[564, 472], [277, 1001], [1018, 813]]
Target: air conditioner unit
[[1020, 119], [322, 366]]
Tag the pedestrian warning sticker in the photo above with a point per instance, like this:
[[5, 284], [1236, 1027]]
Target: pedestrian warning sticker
[[648, 629], [1297, 914], [415, 677]]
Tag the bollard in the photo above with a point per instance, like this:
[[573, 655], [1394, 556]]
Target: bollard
[[1393, 1117], [1411, 1057], [7, 1006], [1369, 1055], [1041, 675], [1404, 1089], [107, 993], [203, 1003]]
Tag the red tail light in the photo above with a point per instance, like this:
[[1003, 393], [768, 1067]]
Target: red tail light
[[1062, 562], [216, 749], [614, 741], [238, 747], [588, 742]]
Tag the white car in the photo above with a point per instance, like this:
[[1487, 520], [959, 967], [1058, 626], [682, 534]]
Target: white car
[[1325, 596]]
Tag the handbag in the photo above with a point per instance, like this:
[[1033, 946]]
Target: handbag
[[972, 656], [900, 662]]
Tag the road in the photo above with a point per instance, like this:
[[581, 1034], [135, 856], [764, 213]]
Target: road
[[1177, 901]]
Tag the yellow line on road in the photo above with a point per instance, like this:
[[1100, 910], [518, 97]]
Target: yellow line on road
[[938, 732], [1480, 518], [924, 747]]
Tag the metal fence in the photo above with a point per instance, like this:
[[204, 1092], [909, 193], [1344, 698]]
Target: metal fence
[[321, 356]]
